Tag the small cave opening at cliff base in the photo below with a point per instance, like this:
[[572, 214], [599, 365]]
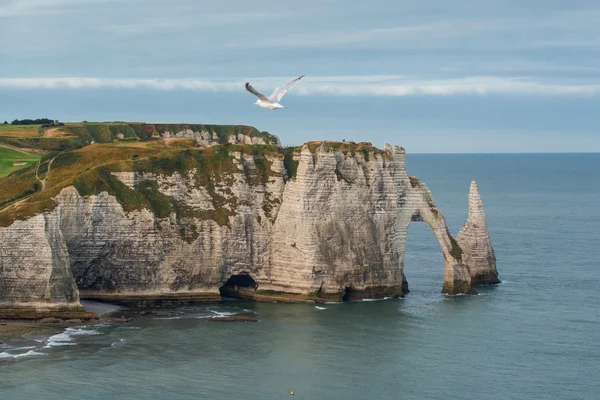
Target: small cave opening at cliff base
[[237, 285]]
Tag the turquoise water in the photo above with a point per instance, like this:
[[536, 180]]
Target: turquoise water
[[535, 336]]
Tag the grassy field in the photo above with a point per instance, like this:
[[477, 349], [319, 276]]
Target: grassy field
[[8, 156], [20, 130]]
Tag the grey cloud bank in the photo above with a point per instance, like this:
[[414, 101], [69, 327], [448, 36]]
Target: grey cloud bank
[[507, 54], [338, 86]]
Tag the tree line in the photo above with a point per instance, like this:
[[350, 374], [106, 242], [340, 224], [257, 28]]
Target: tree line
[[40, 121]]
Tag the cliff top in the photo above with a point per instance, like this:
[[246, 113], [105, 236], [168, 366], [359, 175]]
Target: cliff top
[[344, 147], [85, 155], [70, 136]]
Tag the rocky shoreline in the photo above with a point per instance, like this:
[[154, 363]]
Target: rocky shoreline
[[21, 328]]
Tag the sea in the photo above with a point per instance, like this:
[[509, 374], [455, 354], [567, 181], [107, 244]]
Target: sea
[[534, 336]]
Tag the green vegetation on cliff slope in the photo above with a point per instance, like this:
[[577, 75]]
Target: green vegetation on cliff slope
[[87, 156], [90, 170]]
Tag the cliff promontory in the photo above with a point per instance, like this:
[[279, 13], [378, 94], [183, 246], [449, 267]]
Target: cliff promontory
[[200, 212]]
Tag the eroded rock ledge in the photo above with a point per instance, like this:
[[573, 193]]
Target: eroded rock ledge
[[324, 222]]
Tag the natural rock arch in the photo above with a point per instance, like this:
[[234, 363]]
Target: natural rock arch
[[419, 206]]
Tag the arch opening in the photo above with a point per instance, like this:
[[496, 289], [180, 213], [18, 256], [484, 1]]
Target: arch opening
[[423, 258]]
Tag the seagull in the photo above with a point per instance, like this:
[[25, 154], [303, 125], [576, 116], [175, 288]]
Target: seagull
[[272, 102]]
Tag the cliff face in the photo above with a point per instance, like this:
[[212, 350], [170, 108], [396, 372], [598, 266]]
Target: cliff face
[[324, 222], [474, 238], [35, 274]]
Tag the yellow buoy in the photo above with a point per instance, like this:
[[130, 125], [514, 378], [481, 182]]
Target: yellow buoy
[[292, 393]]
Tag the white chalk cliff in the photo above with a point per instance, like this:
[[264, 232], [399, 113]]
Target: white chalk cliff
[[474, 239], [333, 227]]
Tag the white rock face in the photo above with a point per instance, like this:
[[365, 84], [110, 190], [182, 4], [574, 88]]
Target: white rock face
[[245, 139], [205, 138], [474, 239], [335, 230], [35, 272]]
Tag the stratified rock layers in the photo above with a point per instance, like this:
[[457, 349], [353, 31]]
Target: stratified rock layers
[[474, 239], [35, 274], [335, 230]]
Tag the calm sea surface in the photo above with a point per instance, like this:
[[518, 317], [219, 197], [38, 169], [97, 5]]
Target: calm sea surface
[[535, 336]]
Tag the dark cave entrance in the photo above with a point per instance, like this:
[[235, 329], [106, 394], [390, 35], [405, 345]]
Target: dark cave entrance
[[237, 285], [347, 294]]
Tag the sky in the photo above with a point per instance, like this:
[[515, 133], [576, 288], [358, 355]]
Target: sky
[[433, 76]]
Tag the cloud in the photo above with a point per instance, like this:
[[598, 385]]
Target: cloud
[[369, 85], [24, 8], [328, 38], [162, 23]]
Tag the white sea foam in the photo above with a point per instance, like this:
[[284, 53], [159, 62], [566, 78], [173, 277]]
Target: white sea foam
[[58, 344], [320, 308], [215, 314], [82, 332], [60, 339], [23, 348], [121, 342], [202, 315], [176, 317], [457, 294], [221, 314], [30, 353], [66, 338]]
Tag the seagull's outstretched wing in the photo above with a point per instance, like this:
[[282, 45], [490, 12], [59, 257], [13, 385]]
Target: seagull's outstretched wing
[[254, 92], [278, 93]]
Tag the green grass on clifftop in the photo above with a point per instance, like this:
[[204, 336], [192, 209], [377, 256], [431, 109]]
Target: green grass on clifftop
[[8, 156], [76, 135], [352, 148]]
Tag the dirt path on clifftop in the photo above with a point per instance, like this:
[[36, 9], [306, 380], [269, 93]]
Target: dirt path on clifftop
[[16, 203], [43, 181]]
